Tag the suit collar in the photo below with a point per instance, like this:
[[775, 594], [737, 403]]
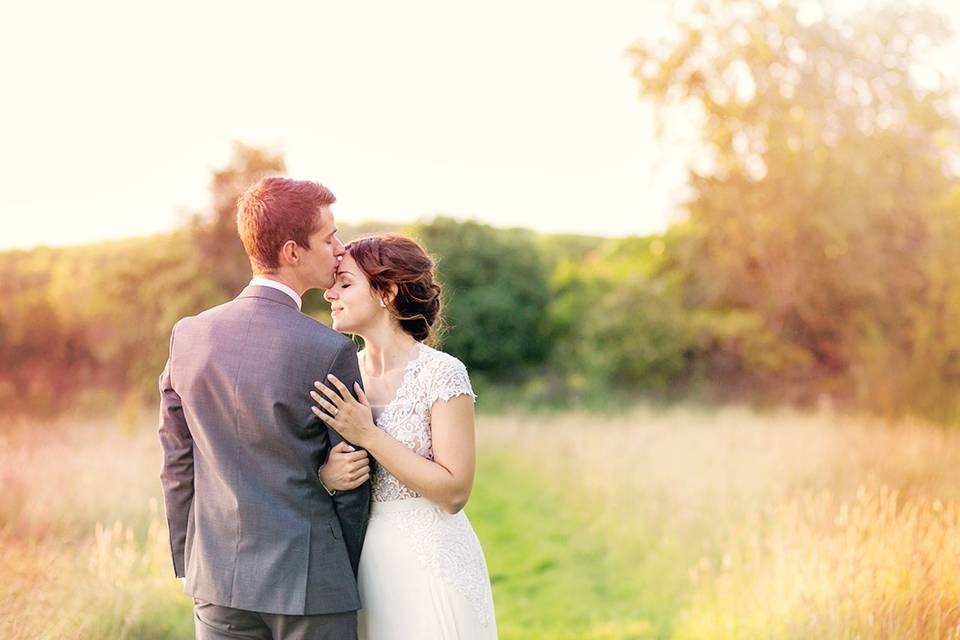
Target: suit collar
[[276, 284], [268, 293]]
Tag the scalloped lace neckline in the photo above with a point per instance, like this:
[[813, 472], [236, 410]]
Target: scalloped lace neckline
[[404, 383]]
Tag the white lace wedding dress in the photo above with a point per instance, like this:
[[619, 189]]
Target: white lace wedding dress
[[422, 572]]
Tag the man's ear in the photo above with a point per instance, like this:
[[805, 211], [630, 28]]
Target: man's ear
[[290, 253]]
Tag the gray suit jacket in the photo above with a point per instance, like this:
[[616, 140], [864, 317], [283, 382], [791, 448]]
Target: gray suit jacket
[[251, 527]]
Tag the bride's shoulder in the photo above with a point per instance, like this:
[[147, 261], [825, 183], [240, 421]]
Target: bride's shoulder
[[441, 359], [448, 375]]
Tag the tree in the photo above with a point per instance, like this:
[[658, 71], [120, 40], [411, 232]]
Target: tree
[[617, 318], [215, 231], [827, 146], [495, 294]]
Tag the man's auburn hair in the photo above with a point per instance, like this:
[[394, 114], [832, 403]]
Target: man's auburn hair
[[276, 210]]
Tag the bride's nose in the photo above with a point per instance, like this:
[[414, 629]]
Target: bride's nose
[[329, 295]]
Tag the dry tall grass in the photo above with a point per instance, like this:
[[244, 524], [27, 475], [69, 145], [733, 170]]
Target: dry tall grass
[[773, 525], [787, 525], [83, 543], [875, 566]]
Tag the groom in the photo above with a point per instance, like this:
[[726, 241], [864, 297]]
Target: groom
[[265, 550]]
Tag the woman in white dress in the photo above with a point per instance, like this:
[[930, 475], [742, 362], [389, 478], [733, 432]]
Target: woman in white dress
[[422, 572]]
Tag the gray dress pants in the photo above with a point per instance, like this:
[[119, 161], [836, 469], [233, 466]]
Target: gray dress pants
[[216, 622]]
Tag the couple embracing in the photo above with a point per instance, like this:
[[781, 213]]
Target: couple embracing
[[312, 491]]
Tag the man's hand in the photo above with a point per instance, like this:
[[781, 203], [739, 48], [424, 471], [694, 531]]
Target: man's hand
[[345, 468]]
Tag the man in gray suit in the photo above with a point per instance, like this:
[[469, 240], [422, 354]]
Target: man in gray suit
[[265, 550]]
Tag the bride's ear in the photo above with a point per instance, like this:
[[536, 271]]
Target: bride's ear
[[392, 295]]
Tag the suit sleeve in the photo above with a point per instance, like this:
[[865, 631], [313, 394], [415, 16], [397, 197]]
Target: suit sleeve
[[353, 507], [176, 475]]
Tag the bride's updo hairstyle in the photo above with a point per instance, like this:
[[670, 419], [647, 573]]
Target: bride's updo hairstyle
[[395, 260]]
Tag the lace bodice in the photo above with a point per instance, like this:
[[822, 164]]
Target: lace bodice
[[430, 376], [445, 543]]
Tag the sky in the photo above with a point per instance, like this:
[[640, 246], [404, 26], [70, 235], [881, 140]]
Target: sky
[[512, 113]]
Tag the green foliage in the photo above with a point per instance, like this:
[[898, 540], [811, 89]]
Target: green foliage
[[97, 316], [617, 318], [495, 293], [142, 299], [637, 335], [558, 247], [36, 342]]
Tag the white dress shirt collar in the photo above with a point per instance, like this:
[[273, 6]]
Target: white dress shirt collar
[[261, 281]]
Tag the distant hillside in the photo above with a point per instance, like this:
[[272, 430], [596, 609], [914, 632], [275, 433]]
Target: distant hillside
[[554, 246]]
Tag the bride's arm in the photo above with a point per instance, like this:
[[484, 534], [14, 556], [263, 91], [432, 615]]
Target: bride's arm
[[447, 479]]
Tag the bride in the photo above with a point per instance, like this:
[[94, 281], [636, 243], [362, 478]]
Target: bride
[[422, 572]]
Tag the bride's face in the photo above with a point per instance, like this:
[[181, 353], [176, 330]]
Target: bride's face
[[353, 304]]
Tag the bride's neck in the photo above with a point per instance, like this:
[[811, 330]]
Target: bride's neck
[[387, 351]]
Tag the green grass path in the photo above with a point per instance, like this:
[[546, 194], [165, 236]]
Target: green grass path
[[551, 578]]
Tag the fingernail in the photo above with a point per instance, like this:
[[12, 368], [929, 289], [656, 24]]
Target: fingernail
[[314, 394], [316, 384], [329, 376]]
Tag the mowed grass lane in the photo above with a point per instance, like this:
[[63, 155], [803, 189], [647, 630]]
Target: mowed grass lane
[[552, 577]]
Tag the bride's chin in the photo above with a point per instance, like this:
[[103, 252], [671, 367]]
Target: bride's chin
[[340, 327]]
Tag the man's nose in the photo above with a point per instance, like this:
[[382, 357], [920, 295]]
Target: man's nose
[[338, 248]]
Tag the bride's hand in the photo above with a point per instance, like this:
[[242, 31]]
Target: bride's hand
[[351, 419], [345, 468]]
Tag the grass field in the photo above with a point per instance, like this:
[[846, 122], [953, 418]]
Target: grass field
[[651, 524]]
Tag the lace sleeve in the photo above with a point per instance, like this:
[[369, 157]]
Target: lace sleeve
[[450, 380]]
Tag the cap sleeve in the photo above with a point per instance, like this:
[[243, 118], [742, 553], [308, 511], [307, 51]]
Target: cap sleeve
[[450, 380]]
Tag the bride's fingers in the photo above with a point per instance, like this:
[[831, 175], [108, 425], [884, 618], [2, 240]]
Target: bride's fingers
[[329, 406], [324, 416], [329, 393], [360, 394], [344, 392]]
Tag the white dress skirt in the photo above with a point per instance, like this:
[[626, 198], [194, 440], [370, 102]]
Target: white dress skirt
[[423, 576], [422, 572]]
